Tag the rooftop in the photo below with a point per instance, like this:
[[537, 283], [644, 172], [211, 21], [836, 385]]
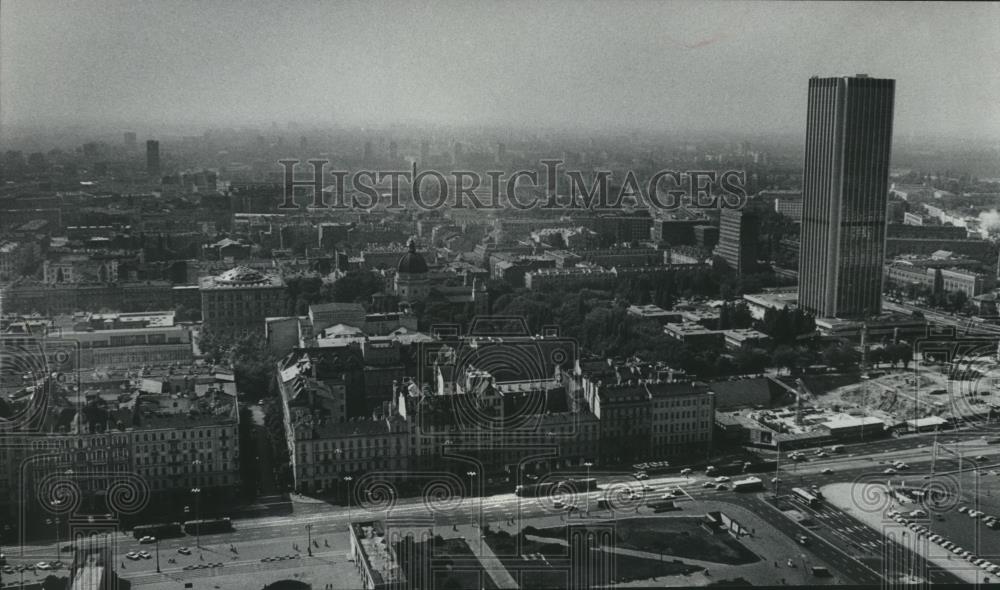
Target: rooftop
[[241, 277]]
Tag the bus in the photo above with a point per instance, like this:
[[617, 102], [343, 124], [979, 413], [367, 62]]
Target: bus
[[164, 530], [748, 485], [653, 468], [806, 496], [208, 526]]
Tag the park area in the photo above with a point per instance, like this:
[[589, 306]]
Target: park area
[[623, 551], [455, 566], [676, 537]]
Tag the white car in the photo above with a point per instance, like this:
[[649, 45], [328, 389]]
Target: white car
[[145, 555], [641, 476], [827, 471], [686, 471], [558, 505], [42, 565], [147, 540], [889, 471], [132, 555], [963, 509], [721, 479]]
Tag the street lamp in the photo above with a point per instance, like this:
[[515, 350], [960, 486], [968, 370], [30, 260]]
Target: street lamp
[[197, 522], [588, 465], [6, 529], [348, 479], [479, 520]]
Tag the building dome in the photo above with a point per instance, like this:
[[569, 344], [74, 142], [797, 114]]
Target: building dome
[[242, 275], [412, 262]]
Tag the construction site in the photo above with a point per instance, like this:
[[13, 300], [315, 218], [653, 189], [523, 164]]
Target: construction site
[[944, 387]]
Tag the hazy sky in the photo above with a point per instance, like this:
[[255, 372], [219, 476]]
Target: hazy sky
[[670, 65]]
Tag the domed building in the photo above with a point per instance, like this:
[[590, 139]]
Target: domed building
[[412, 283], [238, 300]]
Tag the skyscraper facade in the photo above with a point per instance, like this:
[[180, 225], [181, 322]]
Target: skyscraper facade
[[153, 157], [845, 195], [737, 243]]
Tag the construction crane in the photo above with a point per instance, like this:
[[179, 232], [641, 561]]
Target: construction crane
[[802, 395]]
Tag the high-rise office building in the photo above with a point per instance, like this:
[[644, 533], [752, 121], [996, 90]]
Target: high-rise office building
[[153, 157], [737, 243], [845, 195]]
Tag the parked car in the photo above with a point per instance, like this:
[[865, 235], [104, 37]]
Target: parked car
[[147, 540], [722, 487], [43, 565], [145, 555], [184, 551], [827, 471]]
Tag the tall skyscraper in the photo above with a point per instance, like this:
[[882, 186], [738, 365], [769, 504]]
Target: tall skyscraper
[[737, 243], [845, 195], [153, 158]]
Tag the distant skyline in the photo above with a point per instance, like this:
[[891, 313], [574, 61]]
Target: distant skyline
[[682, 66]]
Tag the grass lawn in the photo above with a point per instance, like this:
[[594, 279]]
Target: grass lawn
[[453, 565], [679, 537], [548, 565]]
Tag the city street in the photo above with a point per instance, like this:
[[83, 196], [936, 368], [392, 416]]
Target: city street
[[278, 546]]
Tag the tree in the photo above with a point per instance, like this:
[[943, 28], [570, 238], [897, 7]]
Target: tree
[[752, 361], [785, 356], [357, 286]]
